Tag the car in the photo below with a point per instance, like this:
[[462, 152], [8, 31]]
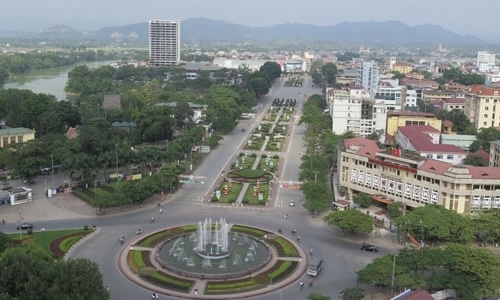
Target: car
[[6, 186], [370, 248], [243, 130], [291, 203], [25, 226]]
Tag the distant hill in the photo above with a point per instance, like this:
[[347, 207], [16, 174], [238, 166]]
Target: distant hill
[[391, 32], [206, 30]]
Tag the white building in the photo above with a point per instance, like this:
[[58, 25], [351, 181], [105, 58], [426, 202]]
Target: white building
[[368, 77], [353, 110], [410, 98], [492, 79], [425, 139], [164, 43], [485, 61]]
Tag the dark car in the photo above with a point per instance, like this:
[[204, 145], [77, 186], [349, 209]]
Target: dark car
[[25, 226], [370, 248], [5, 185]]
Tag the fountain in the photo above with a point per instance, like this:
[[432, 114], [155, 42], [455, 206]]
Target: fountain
[[213, 239], [213, 250]]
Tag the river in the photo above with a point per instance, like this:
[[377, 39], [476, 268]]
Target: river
[[48, 81]]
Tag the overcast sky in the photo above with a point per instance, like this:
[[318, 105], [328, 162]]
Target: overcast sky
[[478, 17]]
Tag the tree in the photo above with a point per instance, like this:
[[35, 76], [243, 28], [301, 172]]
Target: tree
[[395, 209], [483, 139], [330, 72], [271, 69], [355, 293], [362, 199], [436, 223], [259, 85], [398, 75], [475, 160], [351, 220], [4, 242]]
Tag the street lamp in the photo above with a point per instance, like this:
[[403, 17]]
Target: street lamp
[[394, 261], [52, 169], [421, 235], [116, 154]]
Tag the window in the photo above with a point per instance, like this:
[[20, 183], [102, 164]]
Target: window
[[485, 115], [440, 156], [449, 156], [429, 155]]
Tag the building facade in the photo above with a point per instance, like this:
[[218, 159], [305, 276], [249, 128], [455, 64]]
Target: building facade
[[368, 76], [415, 181], [10, 136], [353, 110], [398, 119], [164, 43], [481, 103], [485, 61], [495, 154]]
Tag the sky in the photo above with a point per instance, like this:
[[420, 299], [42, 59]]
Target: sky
[[478, 18]]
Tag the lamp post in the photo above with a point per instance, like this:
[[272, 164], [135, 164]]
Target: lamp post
[[394, 261], [19, 221], [52, 168], [116, 154], [421, 234]]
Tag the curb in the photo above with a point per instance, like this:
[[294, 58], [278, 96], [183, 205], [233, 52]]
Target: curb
[[66, 256]]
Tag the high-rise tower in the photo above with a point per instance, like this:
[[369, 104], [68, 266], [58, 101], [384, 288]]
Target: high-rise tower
[[164, 42]]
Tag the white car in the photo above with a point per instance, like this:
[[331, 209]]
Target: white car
[[291, 203]]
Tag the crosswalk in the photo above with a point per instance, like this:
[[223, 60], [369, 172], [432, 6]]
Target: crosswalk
[[199, 200]]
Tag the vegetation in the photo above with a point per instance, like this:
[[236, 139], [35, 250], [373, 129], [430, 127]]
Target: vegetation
[[363, 200], [351, 220], [470, 271]]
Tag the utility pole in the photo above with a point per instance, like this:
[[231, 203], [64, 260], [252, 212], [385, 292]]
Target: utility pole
[[116, 154], [316, 177], [52, 169]]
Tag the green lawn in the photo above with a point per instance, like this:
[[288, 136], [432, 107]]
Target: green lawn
[[233, 193], [250, 199], [42, 239]]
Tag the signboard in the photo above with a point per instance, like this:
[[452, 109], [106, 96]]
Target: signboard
[[217, 194], [205, 149]]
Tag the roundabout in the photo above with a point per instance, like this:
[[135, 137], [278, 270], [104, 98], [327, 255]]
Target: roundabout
[[210, 260]]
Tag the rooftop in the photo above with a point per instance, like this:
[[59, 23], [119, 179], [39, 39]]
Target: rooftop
[[411, 114], [418, 136], [15, 131], [454, 100], [483, 90], [362, 146]]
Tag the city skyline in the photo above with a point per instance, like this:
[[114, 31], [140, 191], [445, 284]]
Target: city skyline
[[92, 15]]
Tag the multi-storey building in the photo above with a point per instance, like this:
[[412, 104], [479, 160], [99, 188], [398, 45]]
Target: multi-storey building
[[495, 154], [399, 119], [430, 95], [424, 140], [402, 67], [485, 61], [414, 180], [164, 43], [347, 77], [368, 76], [482, 106], [9, 136], [353, 110]]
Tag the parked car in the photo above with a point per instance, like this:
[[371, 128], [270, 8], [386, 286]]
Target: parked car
[[25, 226], [291, 203], [5, 185], [370, 248]]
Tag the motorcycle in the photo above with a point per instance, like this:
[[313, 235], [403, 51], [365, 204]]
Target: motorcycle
[[139, 232], [122, 239]]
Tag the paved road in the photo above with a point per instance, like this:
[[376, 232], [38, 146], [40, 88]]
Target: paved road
[[342, 256]]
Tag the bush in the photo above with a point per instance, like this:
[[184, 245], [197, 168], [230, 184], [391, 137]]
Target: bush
[[30, 231], [86, 227]]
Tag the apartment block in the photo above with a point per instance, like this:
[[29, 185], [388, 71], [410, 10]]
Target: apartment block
[[495, 154], [368, 77], [482, 106], [485, 61], [415, 181], [164, 43], [353, 110]]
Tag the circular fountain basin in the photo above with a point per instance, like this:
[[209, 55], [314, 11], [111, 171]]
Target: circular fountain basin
[[245, 254]]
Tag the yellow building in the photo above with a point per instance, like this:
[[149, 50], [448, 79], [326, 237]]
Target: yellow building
[[394, 176], [397, 119], [402, 67], [480, 106], [18, 135]]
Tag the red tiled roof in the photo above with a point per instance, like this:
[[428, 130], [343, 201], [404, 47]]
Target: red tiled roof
[[417, 82], [455, 100], [435, 166], [363, 146], [421, 141], [71, 133], [484, 172], [447, 123], [483, 90]]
